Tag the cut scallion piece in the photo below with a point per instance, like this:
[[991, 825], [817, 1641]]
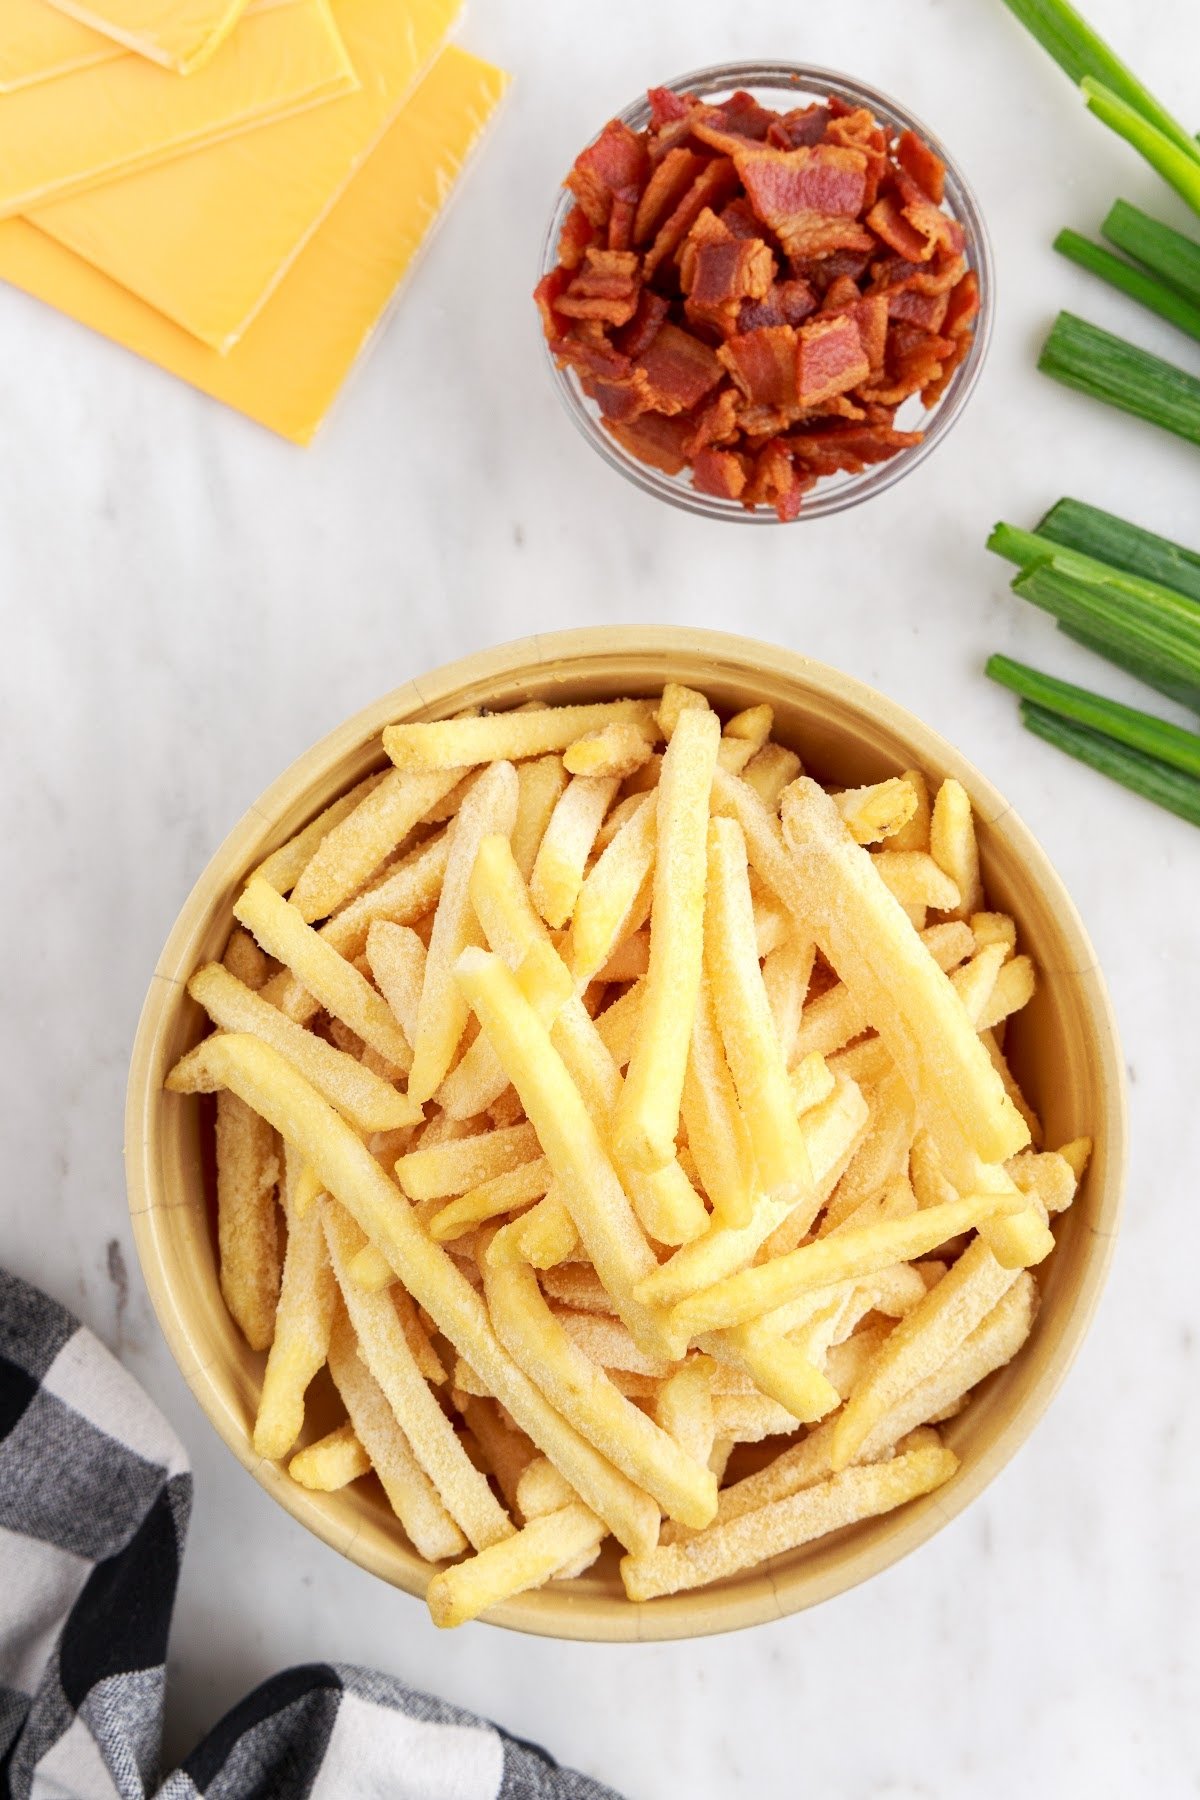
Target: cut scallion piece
[[1101, 535], [1180, 167], [1144, 775], [1137, 730], [1078, 50], [1172, 256], [1157, 674], [1117, 615], [1082, 356], [1147, 289]]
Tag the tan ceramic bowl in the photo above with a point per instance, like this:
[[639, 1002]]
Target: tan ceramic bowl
[[1064, 1049]]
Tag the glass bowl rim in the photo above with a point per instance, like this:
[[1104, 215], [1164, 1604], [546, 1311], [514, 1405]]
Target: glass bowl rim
[[838, 495]]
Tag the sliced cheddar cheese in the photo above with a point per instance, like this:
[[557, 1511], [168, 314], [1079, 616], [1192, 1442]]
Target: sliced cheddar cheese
[[287, 369], [207, 237], [38, 42], [179, 34], [64, 136]]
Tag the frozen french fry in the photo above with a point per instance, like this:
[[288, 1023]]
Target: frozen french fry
[[357, 844], [953, 847], [328, 977], [914, 834], [247, 1225], [303, 1322], [455, 1168], [332, 1462], [491, 1199], [606, 902], [489, 809], [648, 1111], [244, 960], [684, 1407], [1013, 988], [581, 1391], [974, 981], [264, 1080], [384, 1350], [567, 844], [916, 879], [533, 1555], [768, 773], [367, 1101], [718, 1135], [539, 785], [284, 867], [752, 725], [787, 971], [578, 1286], [542, 1490], [547, 1235], [411, 1495], [744, 1013], [508, 736], [396, 957], [994, 928], [883, 1155], [879, 811], [507, 1450], [725, 1548], [615, 750]]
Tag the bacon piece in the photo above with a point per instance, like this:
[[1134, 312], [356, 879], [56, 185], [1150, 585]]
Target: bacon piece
[[654, 439], [718, 277], [643, 328], [620, 219], [739, 220], [841, 293], [720, 472], [577, 233], [822, 272], [803, 126], [717, 423], [870, 314], [548, 292], [616, 160], [605, 288], [926, 310], [926, 169], [810, 197], [621, 400], [933, 390], [963, 307], [785, 303], [830, 359], [777, 482], [763, 363], [833, 449], [679, 369], [714, 185], [888, 221], [768, 421], [666, 106], [590, 358], [706, 229], [914, 359], [666, 187]]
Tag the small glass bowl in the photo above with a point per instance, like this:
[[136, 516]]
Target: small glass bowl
[[832, 493]]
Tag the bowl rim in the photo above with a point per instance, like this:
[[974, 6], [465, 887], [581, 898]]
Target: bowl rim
[[777, 1593], [828, 497]]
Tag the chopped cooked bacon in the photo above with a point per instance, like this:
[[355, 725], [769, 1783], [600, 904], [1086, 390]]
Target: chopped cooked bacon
[[642, 329], [622, 400], [577, 233], [654, 439], [718, 422], [718, 277], [753, 294], [713, 185], [785, 303], [720, 472], [763, 364], [777, 482], [679, 369], [830, 359], [919, 161], [620, 219], [666, 187], [810, 197], [739, 219], [548, 292], [926, 310], [616, 160], [802, 126]]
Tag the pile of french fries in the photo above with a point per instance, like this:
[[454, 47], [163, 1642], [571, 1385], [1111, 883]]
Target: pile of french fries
[[624, 1120]]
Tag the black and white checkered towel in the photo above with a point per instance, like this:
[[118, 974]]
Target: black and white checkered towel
[[94, 1500]]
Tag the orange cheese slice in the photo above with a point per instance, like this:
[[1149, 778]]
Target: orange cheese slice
[[179, 34], [66, 135], [289, 366], [206, 237]]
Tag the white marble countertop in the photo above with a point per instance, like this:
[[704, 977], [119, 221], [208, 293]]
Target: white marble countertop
[[190, 603]]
